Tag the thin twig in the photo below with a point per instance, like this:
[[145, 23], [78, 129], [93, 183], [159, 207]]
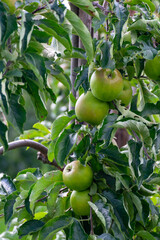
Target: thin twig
[[35, 145]]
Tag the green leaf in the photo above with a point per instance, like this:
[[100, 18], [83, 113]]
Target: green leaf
[[104, 209], [7, 186], [135, 149], [3, 22], [98, 213], [144, 25], [3, 139], [25, 30], [29, 227], [86, 6], [111, 153], [106, 236], [150, 109], [59, 9], [8, 207], [57, 31], [106, 61], [106, 129], [33, 91], [119, 211], [145, 95], [76, 53], [63, 145], [82, 32], [122, 16], [11, 26], [138, 127], [36, 64], [52, 197], [146, 169], [76, 231], [137, 202], [58, 73], [145, 235], [83, 146], [128, 205], [82, 78], [59, 124], [17, 111], [41, 185], [41, 127], [54, 225]]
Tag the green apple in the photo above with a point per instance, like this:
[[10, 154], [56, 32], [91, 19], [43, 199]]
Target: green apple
[[152, 68], [90, 109], [79, 202], [106, 84], [126, 94], [77, 176]]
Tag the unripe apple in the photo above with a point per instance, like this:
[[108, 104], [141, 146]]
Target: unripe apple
[[106, 84], [90, 109], [126, 94], [77, 176], [79, 202]]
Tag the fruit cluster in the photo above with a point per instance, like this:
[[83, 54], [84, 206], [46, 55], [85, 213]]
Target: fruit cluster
[[106, 86], [78, 178]]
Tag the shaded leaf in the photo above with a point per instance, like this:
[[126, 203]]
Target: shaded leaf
[[106, 61], [54, 225], [82, 32], [3, 22], [106, 236], [59, 124], [77, 231], [11, 26], [82, 78], [41, 185], [25, 30], [17, 111], [113, 154], [56, 30], [63, 145], [52, 197], [119, 211], [86, 6], [145, 235], [36, 63], [122, 16], [29, 227], [3, 139], [8, 207], [135, 149], [138, 127], [7, 185], [106, 130]]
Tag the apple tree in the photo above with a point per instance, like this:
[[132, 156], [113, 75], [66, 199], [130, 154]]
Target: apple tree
[[100, 42]]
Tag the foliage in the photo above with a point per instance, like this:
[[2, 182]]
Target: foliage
[[35, 41]]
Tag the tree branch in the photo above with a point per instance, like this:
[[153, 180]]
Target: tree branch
[[35, 145]]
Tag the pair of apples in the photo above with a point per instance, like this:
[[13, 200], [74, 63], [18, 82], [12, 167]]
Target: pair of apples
[[106, 85], [78, 178]]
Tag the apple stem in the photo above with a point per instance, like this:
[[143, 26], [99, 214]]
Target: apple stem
[[91, 219]]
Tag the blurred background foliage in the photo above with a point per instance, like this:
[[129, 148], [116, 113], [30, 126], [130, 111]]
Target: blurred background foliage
[[16, 160]]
